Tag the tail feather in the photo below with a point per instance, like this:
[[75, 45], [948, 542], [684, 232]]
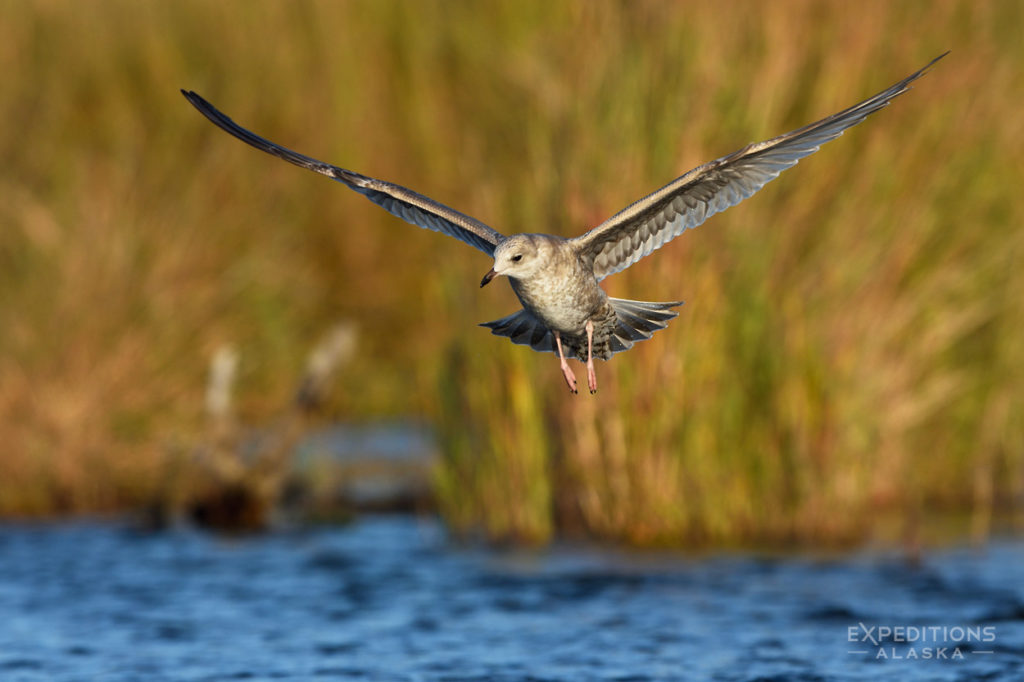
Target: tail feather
[[635, 321], [525, 329], [638, 320], [636, 327]]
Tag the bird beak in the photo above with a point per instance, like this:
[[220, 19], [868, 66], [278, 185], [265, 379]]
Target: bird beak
[[491, 274]]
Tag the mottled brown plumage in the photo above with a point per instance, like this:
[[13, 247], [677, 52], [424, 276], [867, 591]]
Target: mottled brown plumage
[[565, 310]]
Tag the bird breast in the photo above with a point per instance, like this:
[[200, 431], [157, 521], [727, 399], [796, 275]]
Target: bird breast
[[563, 294]]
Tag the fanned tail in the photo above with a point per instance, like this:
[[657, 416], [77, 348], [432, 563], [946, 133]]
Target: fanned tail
[[637, 320], [634, 321], [524, 329]]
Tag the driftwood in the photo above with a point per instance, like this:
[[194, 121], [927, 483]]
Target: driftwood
[[235, 479]]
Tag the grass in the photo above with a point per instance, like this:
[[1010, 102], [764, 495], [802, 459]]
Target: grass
[[850, 343]]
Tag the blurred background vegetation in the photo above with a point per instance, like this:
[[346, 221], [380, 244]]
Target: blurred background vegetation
[[850, 349]]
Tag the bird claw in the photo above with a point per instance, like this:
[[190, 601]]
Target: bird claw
[[591, 374], [570, 378]]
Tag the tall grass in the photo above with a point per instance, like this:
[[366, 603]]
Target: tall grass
[[850, 342]]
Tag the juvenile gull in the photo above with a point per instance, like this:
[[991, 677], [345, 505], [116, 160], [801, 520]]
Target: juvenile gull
[[565, 310]]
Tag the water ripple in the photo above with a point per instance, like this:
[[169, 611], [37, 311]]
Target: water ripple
[[392, 599]]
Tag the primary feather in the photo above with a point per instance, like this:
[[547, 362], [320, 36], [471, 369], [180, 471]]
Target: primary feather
[[689, 200]]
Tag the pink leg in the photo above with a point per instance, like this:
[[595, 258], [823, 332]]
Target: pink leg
[[570, 378], [591, 374]]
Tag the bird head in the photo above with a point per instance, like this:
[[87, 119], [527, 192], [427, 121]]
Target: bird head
[[518, 256]]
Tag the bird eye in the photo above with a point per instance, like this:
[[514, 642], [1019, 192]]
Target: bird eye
[[518, 257]]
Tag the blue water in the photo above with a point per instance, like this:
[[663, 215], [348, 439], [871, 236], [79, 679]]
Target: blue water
[[395, 599]]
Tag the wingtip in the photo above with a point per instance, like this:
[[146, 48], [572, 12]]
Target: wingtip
[[194, 98], [905, 84], [929, 65]]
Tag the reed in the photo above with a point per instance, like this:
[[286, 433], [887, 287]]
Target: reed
[[850, 341]]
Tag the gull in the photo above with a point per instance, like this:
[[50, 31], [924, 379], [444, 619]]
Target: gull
[[565, 310]]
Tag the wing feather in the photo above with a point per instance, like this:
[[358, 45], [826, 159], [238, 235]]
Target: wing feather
[[408, 205], [689, 200]]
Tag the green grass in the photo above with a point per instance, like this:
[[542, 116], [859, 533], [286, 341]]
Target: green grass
[[849, 349]]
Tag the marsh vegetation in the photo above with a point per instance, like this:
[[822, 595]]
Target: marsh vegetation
[[850, 344]]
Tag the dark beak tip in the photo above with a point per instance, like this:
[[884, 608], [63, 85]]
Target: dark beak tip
[[487, 278]]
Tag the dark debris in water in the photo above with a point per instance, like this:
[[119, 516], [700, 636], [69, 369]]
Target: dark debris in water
[[833, 613]]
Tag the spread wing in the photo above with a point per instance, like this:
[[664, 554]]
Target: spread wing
[[689, 200], [404, 203]]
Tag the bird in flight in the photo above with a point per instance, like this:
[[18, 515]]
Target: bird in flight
[[565, 310]]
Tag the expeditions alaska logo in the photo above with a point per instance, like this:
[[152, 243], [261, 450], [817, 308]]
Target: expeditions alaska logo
[[920, 642]]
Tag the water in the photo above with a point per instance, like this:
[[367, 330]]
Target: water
[[394, 599]]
